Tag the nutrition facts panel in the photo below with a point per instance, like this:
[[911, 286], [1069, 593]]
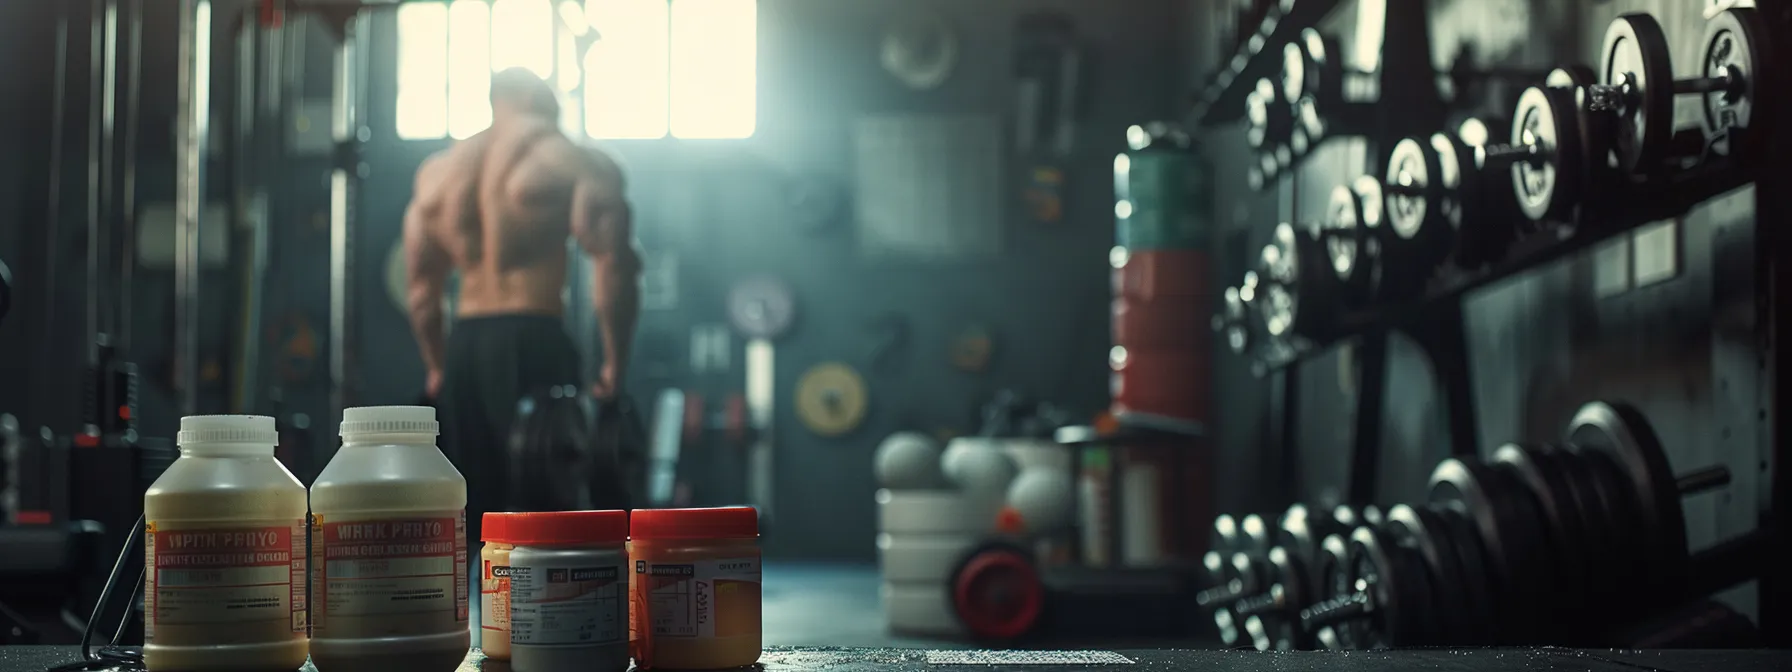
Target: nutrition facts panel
[[580, 606]]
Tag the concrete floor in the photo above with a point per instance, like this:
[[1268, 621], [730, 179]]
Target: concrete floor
[[830, 604]]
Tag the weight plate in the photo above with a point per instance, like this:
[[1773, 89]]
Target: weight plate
[[1626, 525], [1256, 120], [761, 307], [1595, 129], [1635, 56], [1621, 432], [1595, 524], [1505, 515], [996, 593], [1246, 574], [1296, 535], [1297, 284], [1396, 584], [1255, 535], [1571, 77], [1546, 189], [1321, 73], [1423, 531], [1345, 237], [1334, 565], [1446, 157], [1410, 187], [1234, 321], [1279, 115], [1213, 569], [1309, 121], [1562, 523], [1481, 618], [1735, 46], [1294, 71], [1279, 628], [1225, 538], [831, 399]]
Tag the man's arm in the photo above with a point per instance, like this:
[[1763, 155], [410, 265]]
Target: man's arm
[[602, 224], [427, 266]]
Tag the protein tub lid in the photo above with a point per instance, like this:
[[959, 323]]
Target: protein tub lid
[[732, 522], [559, 528]]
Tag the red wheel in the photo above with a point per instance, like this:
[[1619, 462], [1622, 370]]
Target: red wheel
[[997, 594]]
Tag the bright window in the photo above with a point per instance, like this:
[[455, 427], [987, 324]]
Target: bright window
[[713, 64], [626, 68]]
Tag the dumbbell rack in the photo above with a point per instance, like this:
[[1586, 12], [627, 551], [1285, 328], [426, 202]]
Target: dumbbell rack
[[1434, 319]]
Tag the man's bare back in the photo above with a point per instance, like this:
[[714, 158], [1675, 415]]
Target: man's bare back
[[498, 208]]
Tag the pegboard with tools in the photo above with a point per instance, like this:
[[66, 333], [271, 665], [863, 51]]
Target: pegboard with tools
[[1598, 188]]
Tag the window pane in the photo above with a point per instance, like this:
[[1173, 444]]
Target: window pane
[[523, 36], [422, 72], [469, 68], [625, 71], [714, 49]]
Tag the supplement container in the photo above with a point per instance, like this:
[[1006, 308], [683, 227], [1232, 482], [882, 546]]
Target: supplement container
[[224, 544], [389, 567], [559, 581], [695, 590]]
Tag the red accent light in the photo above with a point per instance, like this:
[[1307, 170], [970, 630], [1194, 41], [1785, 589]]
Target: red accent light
[[33, 517]]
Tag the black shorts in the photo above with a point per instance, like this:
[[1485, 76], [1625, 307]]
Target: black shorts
[[492, 362]]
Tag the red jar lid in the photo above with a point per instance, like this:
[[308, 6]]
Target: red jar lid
[[556, 527], [732, 522]]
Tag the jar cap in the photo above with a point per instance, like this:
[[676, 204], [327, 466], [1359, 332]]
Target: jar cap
[[389, 420], [556, 527], [197, 429], [725, 522]]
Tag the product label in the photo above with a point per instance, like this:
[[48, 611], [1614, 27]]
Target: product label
[[710, 598], [377, 567], [494, 598], [567, 606], [213, 575]]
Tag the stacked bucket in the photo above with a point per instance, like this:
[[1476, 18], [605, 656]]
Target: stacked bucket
[[1162, 355]]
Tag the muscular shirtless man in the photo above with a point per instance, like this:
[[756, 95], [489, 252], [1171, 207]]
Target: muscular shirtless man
[[498, 207]]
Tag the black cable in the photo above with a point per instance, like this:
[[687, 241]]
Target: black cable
[[111, 656]]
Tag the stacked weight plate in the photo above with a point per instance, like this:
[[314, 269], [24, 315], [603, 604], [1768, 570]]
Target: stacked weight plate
[[1162, 356], [922, 535]]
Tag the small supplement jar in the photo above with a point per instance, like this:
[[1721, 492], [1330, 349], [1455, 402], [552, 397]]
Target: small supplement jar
[[553, 590], [695, 600]]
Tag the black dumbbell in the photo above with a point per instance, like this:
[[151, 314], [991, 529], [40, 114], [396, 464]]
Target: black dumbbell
[[1238, 319], [1299, 291], [1327, 99], [1272, 619], [1352, 232], [1545, 154], [1235, 562], [1386, 599], [1269, 123], [1637, 86], [1335, 583], [1618, 443]]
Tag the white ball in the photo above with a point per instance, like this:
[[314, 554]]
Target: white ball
[[1044, 498], [908, 461], [978, 467]]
